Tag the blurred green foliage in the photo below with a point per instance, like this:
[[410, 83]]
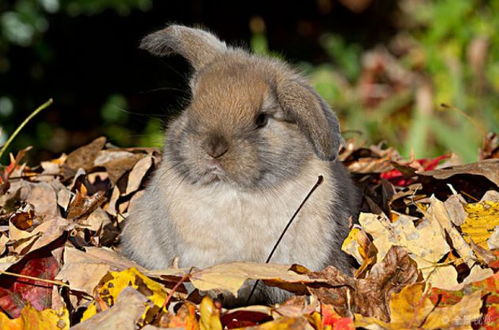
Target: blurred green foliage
[[433, 88]]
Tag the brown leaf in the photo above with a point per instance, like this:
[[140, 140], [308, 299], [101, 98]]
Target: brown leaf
[[370, 165], [83, 204], [42, 235], [23, 219], [488, 168], [123, 315], [137, 174], [231, 276], [296, 307], [117, 162], [455, 209], [490, 148], [369, 296], [412, 309], [84, 157], [84, 270], [42, 196]]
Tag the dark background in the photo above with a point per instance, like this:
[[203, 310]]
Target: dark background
[[81, 60], [83, 54]]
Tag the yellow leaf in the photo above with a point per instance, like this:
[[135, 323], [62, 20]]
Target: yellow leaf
[[185, 318], [114, 282], [351, 246], [411, 308], [32, 319], [438, 212], [231, 276], [481, 221], [458, 316], [210, 315], [425, 242]]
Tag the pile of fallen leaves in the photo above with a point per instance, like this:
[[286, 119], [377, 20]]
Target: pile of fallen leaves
[[426, 243]]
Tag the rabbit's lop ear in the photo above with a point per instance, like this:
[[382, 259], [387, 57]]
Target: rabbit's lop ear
[[313, 116], [197, 46]]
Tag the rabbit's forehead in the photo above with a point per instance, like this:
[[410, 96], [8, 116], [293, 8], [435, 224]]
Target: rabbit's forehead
[[234, 92]]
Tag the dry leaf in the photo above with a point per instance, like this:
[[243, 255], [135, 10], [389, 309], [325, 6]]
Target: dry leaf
[[113, 283], [296, 306], [44, 198], [30, 318], [487, 168], [367, 296], [425, 242], [230, 277], [3, 244], [83, 204], [23, 218], [455, 208], [493, 241], [412, 308], [185, 318], [84, 270], [481, 221], [84, 157], [123, 315], [351, 245], [458, 316], [438, 213], [42, 235], [210, 315], [117, 163], [137, 174], [331, 319]]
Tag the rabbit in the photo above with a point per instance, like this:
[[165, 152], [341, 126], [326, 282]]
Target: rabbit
[[237, 163]]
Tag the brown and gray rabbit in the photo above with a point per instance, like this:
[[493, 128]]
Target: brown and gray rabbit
[[237, 164]]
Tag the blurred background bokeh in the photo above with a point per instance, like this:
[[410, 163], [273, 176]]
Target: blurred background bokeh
[[419, 75]]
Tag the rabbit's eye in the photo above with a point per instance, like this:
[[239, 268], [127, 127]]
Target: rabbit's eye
[[261, 120]]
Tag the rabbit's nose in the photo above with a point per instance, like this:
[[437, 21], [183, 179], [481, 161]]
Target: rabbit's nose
[[215, 146]]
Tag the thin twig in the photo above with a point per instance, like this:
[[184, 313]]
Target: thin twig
[[175, 288], [34, 278], [20, 127], [320, 179], [170, 295]]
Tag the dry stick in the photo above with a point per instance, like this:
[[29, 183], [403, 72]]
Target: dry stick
[[34, 278], [34, 113], [320, 179], [170, 295], [54, 282], [175, 288]]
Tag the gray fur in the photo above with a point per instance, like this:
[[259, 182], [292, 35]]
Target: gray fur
[[234, 205]]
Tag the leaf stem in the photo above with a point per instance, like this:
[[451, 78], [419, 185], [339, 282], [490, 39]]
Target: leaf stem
[[20, 127]]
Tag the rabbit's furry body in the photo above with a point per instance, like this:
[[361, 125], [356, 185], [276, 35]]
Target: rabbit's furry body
[[237, 164]]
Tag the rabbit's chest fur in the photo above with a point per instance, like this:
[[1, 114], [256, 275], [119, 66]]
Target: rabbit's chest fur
[[219, 223]]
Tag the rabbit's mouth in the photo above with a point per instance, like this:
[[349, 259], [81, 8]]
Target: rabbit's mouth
[[214, 172]]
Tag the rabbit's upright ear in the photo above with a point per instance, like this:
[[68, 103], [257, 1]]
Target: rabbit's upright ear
[[313, 116], [197, 46]]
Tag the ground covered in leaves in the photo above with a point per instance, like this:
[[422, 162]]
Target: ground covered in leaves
[[426, 243]]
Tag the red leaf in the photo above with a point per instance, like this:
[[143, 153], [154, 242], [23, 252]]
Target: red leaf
[[241, 319], [331, 318], [15, 292], [397, 178]]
